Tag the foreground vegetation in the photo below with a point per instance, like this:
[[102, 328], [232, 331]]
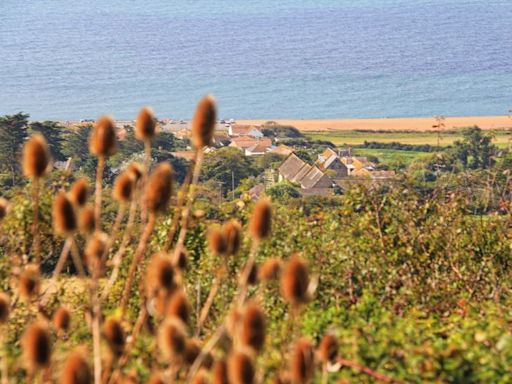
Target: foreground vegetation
[[407, 282]]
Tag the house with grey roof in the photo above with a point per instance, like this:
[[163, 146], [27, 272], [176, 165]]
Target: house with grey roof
[[310, 177]]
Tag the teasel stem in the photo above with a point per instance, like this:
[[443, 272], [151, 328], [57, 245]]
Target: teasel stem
[[115, 230], [182, 194], [147, 166], [116, 260], [36, 240], [244, 280], [325, 374], [5, 365], [368, 371], [221, 273], [114, 378], [137, 258], [96, 331], [208, 347], [188, 207], [77, 260], [99, 191]]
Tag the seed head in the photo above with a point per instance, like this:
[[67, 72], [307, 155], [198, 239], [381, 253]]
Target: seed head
[[200, 378], [64, 219], [253, 327], [328, 349], [62, 319], [302, 363], [217, 241], [172, 338], [36, 345], [102, 142], [5, 307], [76, 370], [180, 260], [29, 282], [36, 157], [233, 235], [114, 334], [94, 250], [4, 207], [270, 269], [159, 188], [260, 223], [192, 350], [220, 372], [136, 170], [240, 368], [252, 279], [203, 123], [295, 281], [160, 275], [145, 126], [156, 378], [87, 221], [124, 187], [179, 307], [79, 192]]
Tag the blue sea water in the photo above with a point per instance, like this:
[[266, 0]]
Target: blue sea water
[[72, 59]]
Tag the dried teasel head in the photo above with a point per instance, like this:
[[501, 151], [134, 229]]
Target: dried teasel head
[[87, 220], [180, 259], [64, 218], [62, 319], [124, 187], [76, 370], [192, 351], [233, 235], [136, 170], [159, 188], [261, 220], [36, 157], [160, 275], [328, 348], [145, 125], [79, 192], [102, 142], [172, 337], [295, 281], [114, 334], [217, 241], [29, 282], [94, 250], [220, 372], [179, 307], [156, 378], [4, 207], [253, 327], [252, 279], [36, 345], [5, 307], [241, 368], [203, 123], [270, 269], [302, 362]]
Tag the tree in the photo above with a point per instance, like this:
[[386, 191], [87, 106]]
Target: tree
[[282, 191], [13, 134], [228, 166], [52, 132], [76, 146], [476, 150]]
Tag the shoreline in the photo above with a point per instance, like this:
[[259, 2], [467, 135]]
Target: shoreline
[[419, 124]]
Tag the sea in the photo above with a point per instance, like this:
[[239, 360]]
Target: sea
[[261, 59]]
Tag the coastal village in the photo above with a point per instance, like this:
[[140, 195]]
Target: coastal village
[[332, 171]]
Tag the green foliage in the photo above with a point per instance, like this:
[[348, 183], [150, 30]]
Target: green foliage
[[282, 192], [475, 150], [280, 131], [52, 131], [13, 133]]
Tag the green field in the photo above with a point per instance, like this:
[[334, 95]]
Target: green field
[[391, 156], [418, 138]]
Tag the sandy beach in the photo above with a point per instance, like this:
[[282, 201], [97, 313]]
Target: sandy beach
[[392, 124]]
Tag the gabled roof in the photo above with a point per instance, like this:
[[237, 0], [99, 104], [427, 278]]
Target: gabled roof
[[258, 148], [282, 150], [291, 166], [243, 129], [313, 177], [302, 172], [245, 142]]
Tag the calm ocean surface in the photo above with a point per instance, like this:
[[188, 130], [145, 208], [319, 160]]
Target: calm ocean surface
[[71, 59]]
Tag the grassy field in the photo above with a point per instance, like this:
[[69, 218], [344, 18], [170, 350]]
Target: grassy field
[[391, 156], [358, 137]]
